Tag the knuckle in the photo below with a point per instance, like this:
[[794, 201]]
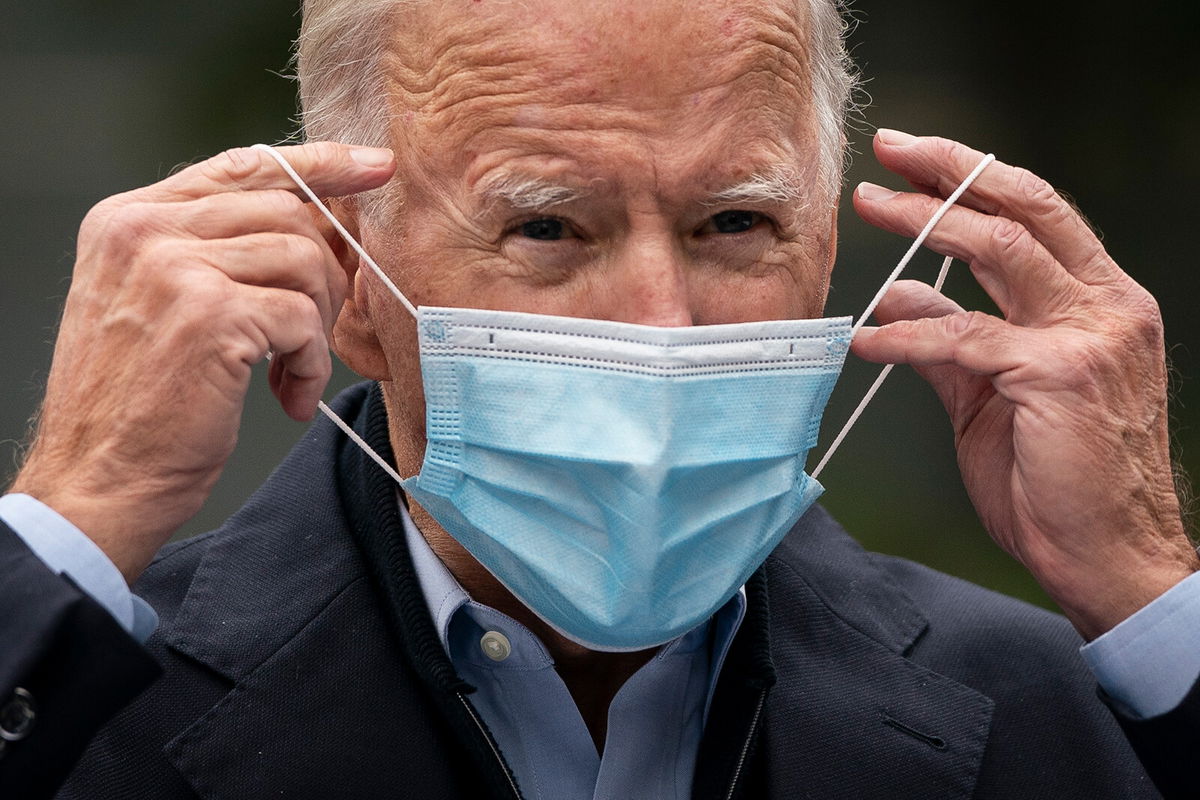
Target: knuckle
[[966, 324], [238, 164], [1142, 314], [134, 222], [942, 148], [206, 296], [292, 305], [162, 255], [98, 218], [1011, 239], [281, 203], [339, 282], [302, 308], [302, 250], [324, 155], [1037, 191]]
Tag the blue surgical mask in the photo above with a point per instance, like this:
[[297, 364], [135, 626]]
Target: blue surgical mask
[[622, 481]]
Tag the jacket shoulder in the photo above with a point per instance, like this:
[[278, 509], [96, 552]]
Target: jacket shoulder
[[941, 655], [966, 612]]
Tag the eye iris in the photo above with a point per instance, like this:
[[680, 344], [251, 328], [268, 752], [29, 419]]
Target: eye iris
[[546, 229], [734, 221]]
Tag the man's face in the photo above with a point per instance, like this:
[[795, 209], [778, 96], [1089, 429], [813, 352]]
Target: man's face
[[598, 160]]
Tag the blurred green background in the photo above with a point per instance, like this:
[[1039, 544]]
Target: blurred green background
[[1102, 99]]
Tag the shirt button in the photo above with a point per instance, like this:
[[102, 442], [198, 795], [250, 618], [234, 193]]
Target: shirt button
[[17, 716], [495, 645]]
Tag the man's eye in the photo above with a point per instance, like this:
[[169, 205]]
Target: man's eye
[[546, 229], [735, 221]]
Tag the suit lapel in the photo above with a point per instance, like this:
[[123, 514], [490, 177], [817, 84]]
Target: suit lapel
[[324, 703], [333, 694], [330, 714], [850, 715]]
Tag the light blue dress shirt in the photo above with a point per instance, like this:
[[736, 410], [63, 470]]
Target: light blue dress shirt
[[66, 550], [655, 721], [1147, 664]]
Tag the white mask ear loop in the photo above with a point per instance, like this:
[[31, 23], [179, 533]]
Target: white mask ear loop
[[370, 262], [337, 226], [883, 290]]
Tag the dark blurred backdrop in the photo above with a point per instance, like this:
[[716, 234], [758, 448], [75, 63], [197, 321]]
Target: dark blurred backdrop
[[1102, 99]]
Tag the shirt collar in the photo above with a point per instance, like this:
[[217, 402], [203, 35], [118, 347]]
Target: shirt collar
[[443, 594], [446, 598]]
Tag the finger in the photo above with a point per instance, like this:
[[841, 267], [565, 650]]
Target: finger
[[329, 168], [289, 325], [290, 261], [914, 300], [971, 340], [1013, 267], [229, 214], [233, 214], [1002, 190], [911, 300]]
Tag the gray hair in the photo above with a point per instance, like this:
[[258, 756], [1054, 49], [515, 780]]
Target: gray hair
[[342, 47]]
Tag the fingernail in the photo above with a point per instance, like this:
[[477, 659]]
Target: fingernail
[[874, 192], [372, 156], [895, 138]]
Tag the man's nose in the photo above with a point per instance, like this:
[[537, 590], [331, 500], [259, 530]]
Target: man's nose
[[650, 285]]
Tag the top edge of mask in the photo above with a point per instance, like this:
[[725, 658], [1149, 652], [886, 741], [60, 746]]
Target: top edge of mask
[[490, 319]]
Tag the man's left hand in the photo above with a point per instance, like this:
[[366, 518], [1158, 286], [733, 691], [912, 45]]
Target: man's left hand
[[1060, 407]]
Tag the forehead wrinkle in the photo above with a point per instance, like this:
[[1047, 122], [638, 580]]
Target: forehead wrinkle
[[472, 59], [449, 67], [481, 86], [445, 87], [782, 43]]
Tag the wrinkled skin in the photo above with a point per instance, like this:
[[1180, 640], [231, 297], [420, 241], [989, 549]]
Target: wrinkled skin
[[1058, 408]]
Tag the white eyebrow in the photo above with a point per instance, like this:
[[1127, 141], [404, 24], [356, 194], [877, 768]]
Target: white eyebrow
[[524, 192], [779, 184]]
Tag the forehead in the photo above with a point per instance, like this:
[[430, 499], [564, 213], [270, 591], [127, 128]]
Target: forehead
[[478, 81]]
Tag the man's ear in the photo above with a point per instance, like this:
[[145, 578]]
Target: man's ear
[[833, 239], [830, 257], [354, 339]]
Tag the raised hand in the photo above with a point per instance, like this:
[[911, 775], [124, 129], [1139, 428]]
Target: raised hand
[[179, 289], [1059, 408]]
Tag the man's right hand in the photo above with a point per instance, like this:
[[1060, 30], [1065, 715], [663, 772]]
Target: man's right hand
[[179, 289]]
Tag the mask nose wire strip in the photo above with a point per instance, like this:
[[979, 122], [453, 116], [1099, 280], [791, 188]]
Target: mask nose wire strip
[[345, 234], [883, 290]]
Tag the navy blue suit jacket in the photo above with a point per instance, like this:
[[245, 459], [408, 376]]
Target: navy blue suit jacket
[[300, 661], [66, 651]]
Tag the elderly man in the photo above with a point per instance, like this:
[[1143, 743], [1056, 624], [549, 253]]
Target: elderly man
[[661, 164]]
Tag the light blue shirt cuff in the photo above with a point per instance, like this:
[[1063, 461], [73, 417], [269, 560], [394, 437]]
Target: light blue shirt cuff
[[67, 550], [1150, 662]]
